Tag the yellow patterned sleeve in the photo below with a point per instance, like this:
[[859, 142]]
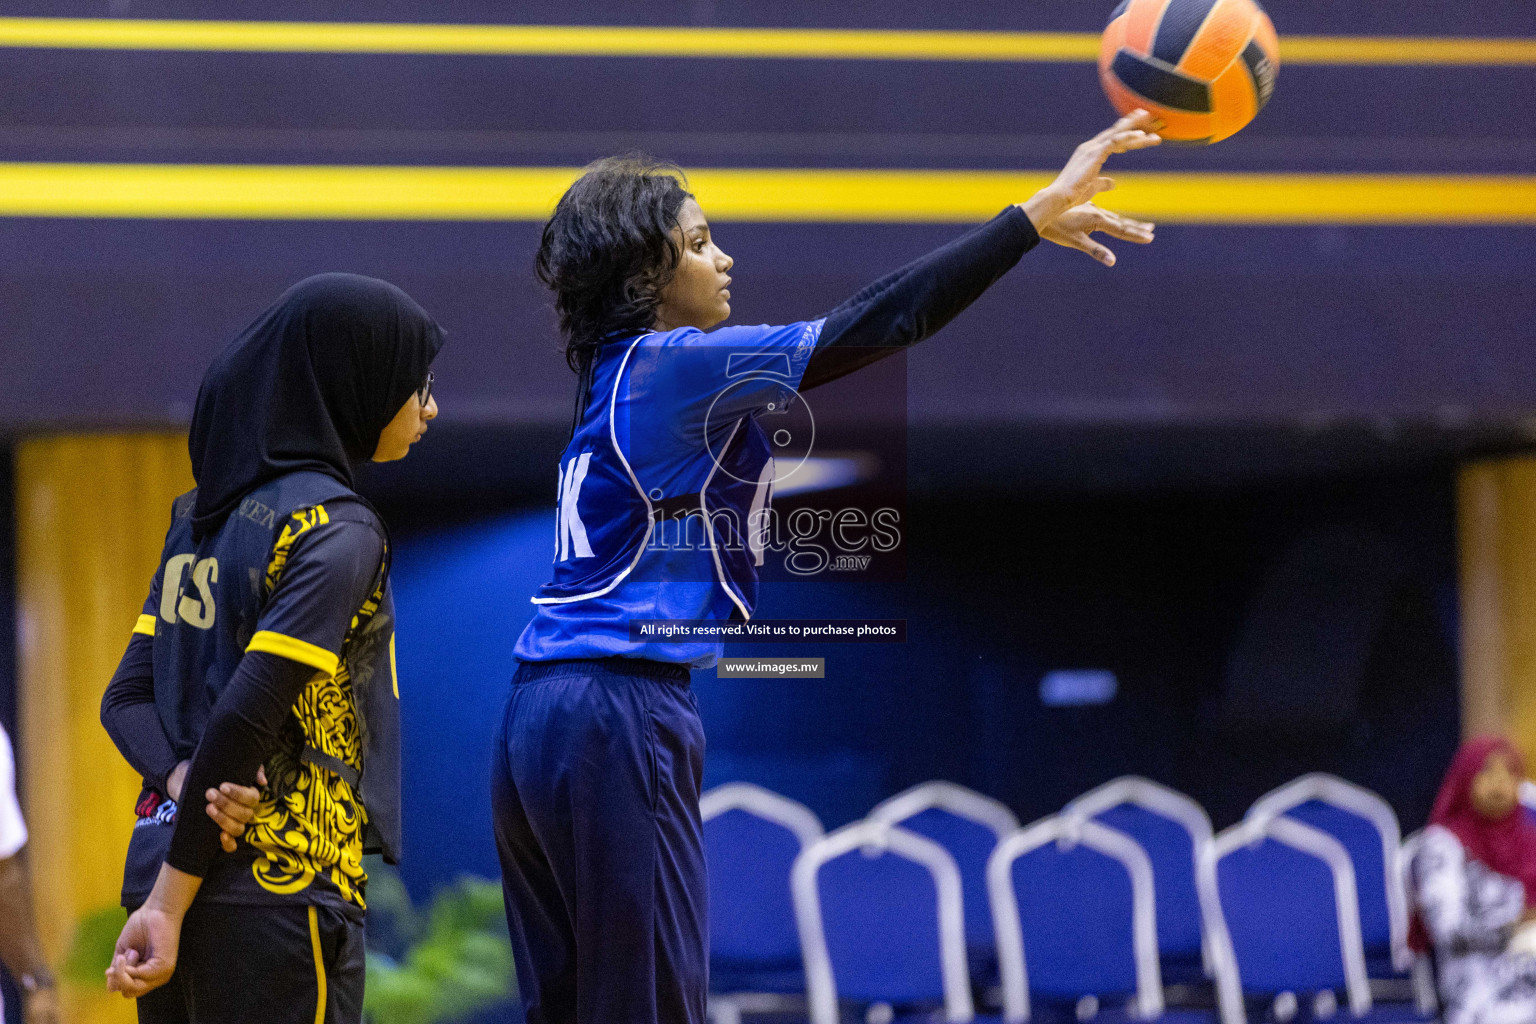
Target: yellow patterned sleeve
[[145, 626], [295, 650]]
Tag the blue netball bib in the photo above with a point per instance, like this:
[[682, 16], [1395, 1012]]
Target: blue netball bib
[[660, 487]]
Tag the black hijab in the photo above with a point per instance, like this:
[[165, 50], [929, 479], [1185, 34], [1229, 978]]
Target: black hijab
[[309, 385]]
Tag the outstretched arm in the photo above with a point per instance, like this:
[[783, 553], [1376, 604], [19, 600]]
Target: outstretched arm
[[903, 308], [1063, 211]]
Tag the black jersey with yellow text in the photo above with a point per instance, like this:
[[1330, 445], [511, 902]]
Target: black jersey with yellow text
[[300, 570]]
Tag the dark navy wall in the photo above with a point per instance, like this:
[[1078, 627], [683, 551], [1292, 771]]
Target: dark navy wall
[[366, 108], [110, 321]]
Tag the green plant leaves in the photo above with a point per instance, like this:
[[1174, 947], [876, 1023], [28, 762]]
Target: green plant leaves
[[460, 961], [90, 953]]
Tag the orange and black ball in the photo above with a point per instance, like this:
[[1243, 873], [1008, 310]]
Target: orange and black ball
[[1204, 68]]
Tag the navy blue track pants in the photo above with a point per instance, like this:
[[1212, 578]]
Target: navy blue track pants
[[595, 798], [249, 964]]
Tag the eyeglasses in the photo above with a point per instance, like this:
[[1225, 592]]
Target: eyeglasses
[[424, 393]]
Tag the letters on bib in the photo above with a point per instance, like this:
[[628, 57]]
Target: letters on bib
[[178, 605], [571, 532]]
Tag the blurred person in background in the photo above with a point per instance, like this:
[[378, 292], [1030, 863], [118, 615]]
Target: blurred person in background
[[267, 640], [19, 948], [1474, 886], [599, 757]]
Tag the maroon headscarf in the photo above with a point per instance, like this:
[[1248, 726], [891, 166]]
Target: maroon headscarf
[[1507, 846]]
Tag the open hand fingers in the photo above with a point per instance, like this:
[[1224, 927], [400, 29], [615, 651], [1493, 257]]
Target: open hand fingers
[[1080, 240], [1136, 120], [1080, 180], [1092, 155], [1124, 142], [1100, 150], [1124, 228], [1133, 131], [1075, 228]]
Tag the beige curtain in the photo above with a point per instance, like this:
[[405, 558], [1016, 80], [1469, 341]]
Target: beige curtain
[[1496, 507], [91, 515]]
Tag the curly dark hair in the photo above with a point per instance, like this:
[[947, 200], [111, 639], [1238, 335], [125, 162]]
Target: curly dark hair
[[607, 252]]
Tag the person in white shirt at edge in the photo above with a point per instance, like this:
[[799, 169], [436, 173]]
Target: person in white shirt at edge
[[19, 948]]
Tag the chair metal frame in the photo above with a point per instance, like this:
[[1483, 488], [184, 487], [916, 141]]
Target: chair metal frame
[[1357, 800], [798, 819], [946, 796], [876, 838], [1315, 843], [765, 804], [1010, 931], [1181, 810]]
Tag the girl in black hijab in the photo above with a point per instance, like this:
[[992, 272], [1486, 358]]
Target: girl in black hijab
[[268, 640]]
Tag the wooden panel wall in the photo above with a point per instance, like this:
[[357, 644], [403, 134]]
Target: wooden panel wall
[[1497, 513], [91, 514]]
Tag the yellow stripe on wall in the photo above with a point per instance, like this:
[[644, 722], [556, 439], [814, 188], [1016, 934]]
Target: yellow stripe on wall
[[1413, 50], [535, 40], [689, 41], [263, 192]]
